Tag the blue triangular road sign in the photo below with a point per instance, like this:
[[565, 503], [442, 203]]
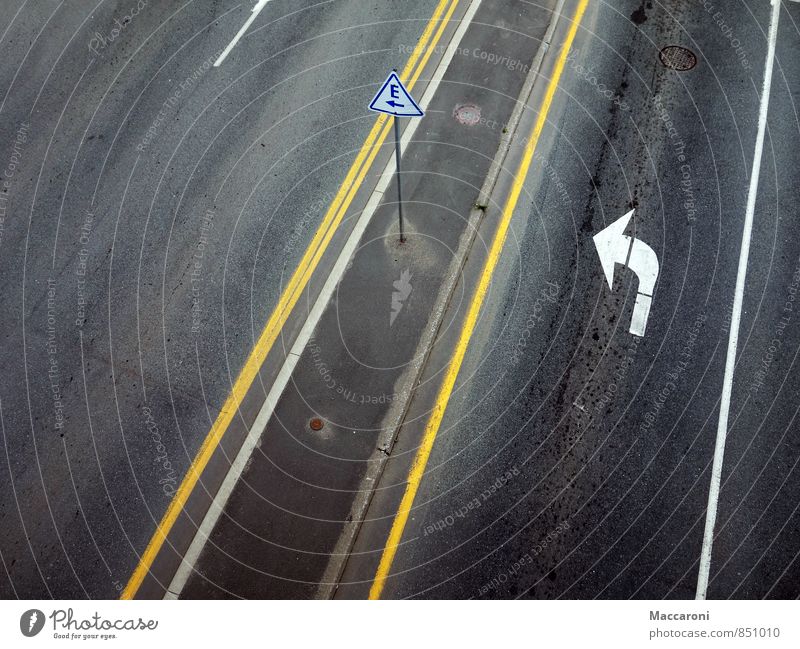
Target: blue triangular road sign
[[394, 99]]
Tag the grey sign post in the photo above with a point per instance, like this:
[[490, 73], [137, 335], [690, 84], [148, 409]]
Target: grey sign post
[[393, 99]]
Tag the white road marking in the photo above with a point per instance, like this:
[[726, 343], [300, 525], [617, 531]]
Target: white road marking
[[614, 247], [733, 338], [644, 262], [641, 311], [253, 15], [211, 518]]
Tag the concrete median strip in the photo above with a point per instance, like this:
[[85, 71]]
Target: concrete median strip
[[302, 518]]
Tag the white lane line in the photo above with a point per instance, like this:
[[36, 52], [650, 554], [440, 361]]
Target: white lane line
[[733, 339], [253, 15], [211, 518]]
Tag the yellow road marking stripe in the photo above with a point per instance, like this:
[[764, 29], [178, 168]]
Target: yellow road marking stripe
[[423, 453], [294, 289]]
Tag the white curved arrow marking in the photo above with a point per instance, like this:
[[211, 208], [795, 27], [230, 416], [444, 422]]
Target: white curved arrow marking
[[614, 247]]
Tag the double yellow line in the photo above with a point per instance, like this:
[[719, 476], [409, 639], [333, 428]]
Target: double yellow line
[[423, 453], [294, 289]]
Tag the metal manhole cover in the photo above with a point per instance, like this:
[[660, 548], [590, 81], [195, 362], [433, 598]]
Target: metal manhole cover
[[468, 114], [678, 58]]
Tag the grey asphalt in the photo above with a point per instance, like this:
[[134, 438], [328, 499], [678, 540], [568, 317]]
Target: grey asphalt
[[156, 206], [153, 206], [574, 459]]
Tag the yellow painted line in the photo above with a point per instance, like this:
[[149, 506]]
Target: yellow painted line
[[423, 453], [294, 289]]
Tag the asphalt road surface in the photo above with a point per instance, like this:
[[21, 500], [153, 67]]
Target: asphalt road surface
[[154, 207]]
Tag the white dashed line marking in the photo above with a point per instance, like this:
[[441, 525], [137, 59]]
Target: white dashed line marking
[[253, 15]]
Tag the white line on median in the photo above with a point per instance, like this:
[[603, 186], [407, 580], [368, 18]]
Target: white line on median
[[736, 316], [211, 518], [253, 15]]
